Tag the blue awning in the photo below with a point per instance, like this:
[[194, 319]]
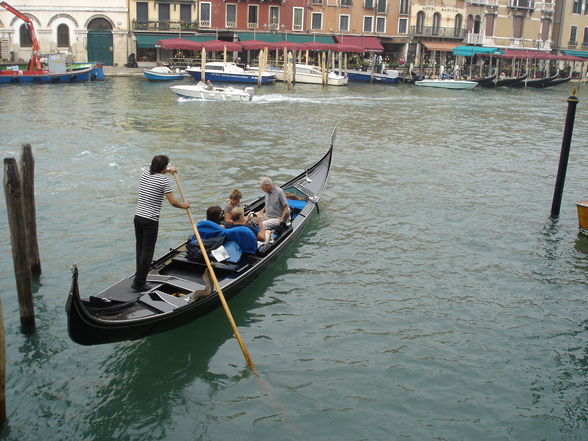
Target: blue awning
[[150, 40], [581, 54], [260, 36], [468, 51]]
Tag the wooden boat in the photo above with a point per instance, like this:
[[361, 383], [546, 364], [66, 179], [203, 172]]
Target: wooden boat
[[178, 292], [511, 82], [447, 84], [487, 81], [209, 92], [538, 82], [583, 216], [559, 81], [163, 73], [14, 76]]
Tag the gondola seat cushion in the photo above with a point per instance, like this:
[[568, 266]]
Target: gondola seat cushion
[[244, 237]]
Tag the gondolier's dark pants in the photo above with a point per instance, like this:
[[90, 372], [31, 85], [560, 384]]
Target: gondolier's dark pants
[[146, 236]]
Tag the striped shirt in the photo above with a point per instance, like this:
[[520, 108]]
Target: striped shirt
[[151, 191]]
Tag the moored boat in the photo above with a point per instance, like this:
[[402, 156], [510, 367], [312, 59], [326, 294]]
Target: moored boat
[[389, 76], [210, 92], [557, 81], [163, 73], [179, 292], [510, 81], [486, 81], [41, 76], [224, 72], [447, 84], [539, 82]]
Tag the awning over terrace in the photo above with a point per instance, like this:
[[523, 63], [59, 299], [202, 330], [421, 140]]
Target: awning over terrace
[[369, 44], [440, 46]]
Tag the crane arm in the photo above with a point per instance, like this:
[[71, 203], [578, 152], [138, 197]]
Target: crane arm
[[35, 61]]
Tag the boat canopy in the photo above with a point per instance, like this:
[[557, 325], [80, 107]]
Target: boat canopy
[[468, 51]]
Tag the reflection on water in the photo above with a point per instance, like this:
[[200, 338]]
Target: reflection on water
[[431, 299]]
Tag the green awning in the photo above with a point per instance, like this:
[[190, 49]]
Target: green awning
[[150, 40], [260, 36], [296, 38], [581, 54], [468, 51]]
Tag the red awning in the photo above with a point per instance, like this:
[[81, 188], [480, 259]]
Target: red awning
[[340, 47], [256, 44], [179, 43], [292, 46], [368, 44], [441, 46], [219, 45], [316, 46]]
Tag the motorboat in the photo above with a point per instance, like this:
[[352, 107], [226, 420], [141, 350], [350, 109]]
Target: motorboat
[[226, 72], [388, 76], [163, 73], [209, 92], [447, 84], [306, 73]]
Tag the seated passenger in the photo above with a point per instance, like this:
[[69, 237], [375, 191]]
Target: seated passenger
[[211, 226], [238, 219], [232, 202], [276, 209]]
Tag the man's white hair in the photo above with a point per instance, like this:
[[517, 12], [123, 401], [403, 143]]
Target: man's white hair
[[265, 181]]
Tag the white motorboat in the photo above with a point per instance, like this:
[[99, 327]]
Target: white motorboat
[[163, 73], [209, 92], [229, 73], [306, 73], [447, 84]]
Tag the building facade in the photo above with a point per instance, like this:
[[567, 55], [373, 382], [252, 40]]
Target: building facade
[[570, 34], [85, 31]]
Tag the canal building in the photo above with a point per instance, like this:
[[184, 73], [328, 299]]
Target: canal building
[[83, 30], [570, 29]]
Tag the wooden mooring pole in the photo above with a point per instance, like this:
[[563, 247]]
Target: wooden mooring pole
[[18, 240], [27, 169], [564, 155], [2, 369]]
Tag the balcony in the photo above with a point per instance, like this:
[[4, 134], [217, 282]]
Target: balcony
[[572, 43], [528, 5], [204, 23], [231, 24], [297, 27], [252, 26], [433, 31], [547, 8], [472, 38], [493, 3], [173, 26]]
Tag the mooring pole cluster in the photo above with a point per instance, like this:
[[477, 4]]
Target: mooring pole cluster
[[19, 190]]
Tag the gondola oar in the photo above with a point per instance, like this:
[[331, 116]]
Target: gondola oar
[[215, 281]]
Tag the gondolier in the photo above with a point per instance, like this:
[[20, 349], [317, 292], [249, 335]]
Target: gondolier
[[152, 187]]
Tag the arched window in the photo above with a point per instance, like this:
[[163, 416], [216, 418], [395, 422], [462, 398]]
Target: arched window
[[436, 23], [477, 23], [25, 36], [470, 23], [63, 35], [458, 24], [100, 24], [420, 22]]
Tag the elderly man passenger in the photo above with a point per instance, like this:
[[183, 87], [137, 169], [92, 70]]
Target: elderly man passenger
[[276, 208]]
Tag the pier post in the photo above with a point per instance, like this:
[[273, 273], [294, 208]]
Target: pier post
[[2, 369], [564, 155], [18, 240], [27, 168]]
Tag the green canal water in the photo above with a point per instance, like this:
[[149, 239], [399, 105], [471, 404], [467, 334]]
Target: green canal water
[[431, 299]]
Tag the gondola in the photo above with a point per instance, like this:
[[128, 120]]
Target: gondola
[[179, 292], [538, 82], [511, 82], [559, 81], [486, 81]]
